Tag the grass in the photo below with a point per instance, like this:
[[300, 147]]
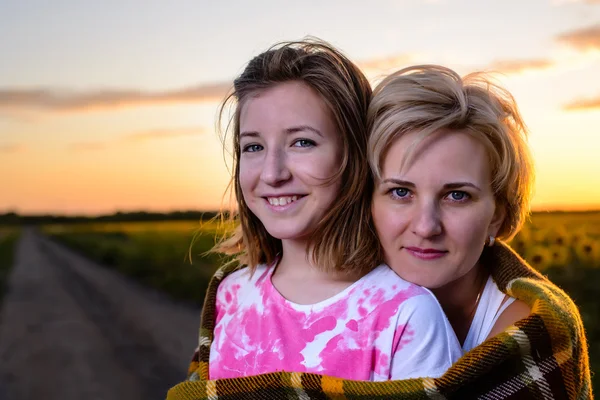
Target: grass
[[169, 256], [8, 241]]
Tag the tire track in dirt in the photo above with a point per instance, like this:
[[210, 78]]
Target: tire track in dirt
[[132, 346], [71, 329]]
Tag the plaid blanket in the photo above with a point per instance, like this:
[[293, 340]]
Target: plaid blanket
[[543, 356]]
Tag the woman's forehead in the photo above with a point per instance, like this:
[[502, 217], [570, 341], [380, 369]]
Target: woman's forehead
[[447, 155]]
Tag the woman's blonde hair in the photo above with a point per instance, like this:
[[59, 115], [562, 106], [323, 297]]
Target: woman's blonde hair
[[344, 240], [431, 99]]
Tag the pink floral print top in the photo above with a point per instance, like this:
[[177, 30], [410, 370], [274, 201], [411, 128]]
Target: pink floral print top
[[379, 328]]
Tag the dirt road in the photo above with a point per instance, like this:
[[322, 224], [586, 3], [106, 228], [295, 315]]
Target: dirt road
[[71, 329]]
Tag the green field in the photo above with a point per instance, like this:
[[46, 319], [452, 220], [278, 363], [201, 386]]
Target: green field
[[169, 256], [564, 246]]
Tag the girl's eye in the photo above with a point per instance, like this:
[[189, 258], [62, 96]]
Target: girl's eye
[[458, 195], [251, 148], [304, 143], [400, 193]]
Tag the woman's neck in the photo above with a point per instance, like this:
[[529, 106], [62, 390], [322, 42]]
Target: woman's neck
[[459, 299]]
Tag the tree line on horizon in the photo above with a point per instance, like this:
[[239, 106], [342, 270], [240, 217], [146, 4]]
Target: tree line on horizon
[[12, 218]]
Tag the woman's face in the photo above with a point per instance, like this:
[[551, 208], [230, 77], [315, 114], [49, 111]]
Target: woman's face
[[433, 217], [289, 147]]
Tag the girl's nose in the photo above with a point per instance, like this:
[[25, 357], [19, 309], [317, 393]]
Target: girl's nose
[[275, 169]]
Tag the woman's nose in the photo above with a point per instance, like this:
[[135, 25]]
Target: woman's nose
[[426, 220]]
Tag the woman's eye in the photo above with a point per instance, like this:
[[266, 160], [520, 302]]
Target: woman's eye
[[304, 143], [458, 195], [251, 148], [400, 193]]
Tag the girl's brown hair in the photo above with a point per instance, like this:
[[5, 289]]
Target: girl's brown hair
[[344, 240]]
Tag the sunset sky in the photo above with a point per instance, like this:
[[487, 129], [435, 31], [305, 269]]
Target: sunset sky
[[111, 105]]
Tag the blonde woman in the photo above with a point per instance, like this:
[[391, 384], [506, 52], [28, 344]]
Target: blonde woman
[[453, 177]]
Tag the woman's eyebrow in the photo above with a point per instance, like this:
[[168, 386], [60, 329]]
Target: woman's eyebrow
[[451, 185], [458, 185], [399, 182]]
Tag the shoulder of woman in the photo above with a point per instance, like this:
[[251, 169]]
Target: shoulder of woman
[[513, 313]]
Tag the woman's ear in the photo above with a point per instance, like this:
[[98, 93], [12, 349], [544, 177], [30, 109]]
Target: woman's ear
[[497, 220]]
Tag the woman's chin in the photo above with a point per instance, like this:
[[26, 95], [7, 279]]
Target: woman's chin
[[420, 276]]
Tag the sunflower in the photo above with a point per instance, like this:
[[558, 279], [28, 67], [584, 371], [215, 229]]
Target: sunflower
[[518, 244], [561, 256], [593, 229], [588, 252], [540, 235], [522, 240], [576, 237], [539, 257], [525, 233], [557, 236]]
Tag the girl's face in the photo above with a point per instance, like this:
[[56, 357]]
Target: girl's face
[[289, 147], [433, 217]]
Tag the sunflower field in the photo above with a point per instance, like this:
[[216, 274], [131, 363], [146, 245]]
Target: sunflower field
[[172, 256]]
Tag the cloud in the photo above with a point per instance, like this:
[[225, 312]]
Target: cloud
[[556, 2], [19, 117], [163, 134], [506, 66], [138, 137], [53, 100], [11, 148], [88, 146], [583, 104], [391, 62], [385, 65], [517, 66], [582, 39]]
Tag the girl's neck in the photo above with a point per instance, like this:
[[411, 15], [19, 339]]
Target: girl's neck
[[300, 281], [296, 261], [460, 298]]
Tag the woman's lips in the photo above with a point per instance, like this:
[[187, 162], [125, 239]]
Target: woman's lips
[[426, 254]]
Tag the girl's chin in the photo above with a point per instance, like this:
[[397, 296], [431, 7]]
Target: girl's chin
[[288, 234]]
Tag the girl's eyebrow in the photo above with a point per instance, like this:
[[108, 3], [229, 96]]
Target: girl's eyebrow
[[300, 128], [249, 134], [291, 130], [451, 185]]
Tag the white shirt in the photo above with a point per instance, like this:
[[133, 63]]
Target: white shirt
[[490, 307]]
